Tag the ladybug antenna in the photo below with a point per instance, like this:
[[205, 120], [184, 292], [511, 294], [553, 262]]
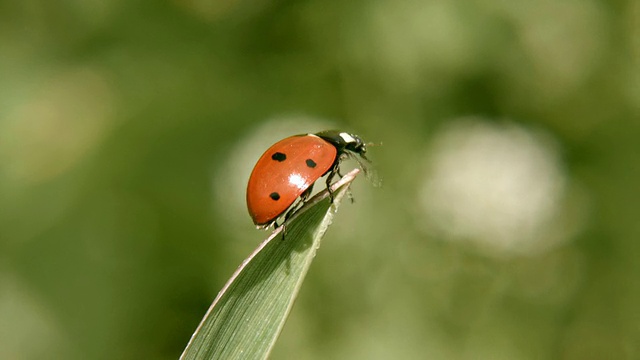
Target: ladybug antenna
[[370, 144], [369, 172]]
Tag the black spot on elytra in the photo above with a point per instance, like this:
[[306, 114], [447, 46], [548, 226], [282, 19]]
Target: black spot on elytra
[[310, 163], [279, 157], [275, 196]]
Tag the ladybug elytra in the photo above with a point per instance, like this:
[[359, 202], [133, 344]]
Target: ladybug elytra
[[290, 167]]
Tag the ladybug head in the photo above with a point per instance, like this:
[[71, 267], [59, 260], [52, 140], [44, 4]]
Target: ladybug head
[[345, 142], [351, 145], [355, 145]]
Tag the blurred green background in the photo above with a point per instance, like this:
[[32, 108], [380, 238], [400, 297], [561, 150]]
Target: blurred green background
[[507, 226]]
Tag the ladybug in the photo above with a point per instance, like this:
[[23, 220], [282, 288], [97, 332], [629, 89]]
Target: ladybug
[[290, 167]]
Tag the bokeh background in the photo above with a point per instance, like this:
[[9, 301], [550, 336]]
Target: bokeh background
[[507, 226]]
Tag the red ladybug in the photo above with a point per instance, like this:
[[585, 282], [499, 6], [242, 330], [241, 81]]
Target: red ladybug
[[289, 168]]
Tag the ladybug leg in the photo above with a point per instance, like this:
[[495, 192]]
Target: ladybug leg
[[305, 195], [335, 170], [284, 229], [329, 178], [283, 225], [349, 194], [303, 198]]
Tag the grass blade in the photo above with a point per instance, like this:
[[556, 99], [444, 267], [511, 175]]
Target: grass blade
[[248, 314]]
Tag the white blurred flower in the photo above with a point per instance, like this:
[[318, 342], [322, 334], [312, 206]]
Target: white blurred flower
[[500, 187]]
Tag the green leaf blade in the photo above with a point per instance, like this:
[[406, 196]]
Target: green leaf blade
[[248, 314]]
